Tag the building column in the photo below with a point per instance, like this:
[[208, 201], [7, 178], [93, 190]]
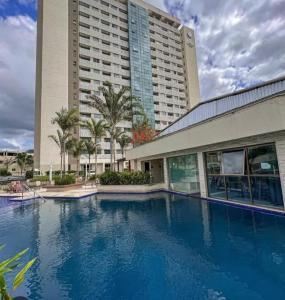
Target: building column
[[202, 175], [165, 173], [280, 149]]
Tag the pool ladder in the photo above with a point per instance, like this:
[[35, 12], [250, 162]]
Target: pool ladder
[[35, 193]]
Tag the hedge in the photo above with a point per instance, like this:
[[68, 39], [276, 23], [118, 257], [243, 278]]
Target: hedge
[[40, 178], [4, 172], [65, 180], [125, 178]]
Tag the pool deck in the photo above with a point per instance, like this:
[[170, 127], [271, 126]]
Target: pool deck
[[82, 192]]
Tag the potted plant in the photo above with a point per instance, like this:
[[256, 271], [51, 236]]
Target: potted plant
[[10, 265]]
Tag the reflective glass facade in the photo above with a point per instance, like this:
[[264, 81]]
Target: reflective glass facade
[[140, 58], [248, 174], [183, 173]]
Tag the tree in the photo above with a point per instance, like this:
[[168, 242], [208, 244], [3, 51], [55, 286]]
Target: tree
[[24, 160], [97, 131], [117, 134], [115, 107], [61, 139], [142, 132], [124, 140], [67, 120], [76, 148], [91, 149]]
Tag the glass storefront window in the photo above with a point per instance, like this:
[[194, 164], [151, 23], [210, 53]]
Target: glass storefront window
[[237, 188], [233, 162], [217, 187], [183, 173], [263, 160], [248, 174], [214, 162], [266, 190]]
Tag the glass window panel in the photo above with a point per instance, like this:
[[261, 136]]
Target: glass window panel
[[266, 190], [233, 162], [263, 160], [213, 162], [183, 173], [216, 187], [238, 188]]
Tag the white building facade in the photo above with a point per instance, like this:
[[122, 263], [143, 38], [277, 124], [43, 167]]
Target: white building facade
[[83, 43]]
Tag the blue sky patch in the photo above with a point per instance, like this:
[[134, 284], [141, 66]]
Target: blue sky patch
[[18, 7]]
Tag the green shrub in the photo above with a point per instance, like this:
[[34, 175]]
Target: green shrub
[[4, 172], [93, 177], [56, 172], [125, 178], [40, 178], [29, 174], [65, 180]]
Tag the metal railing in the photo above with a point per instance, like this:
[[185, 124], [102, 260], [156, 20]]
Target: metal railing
[[35, 193]]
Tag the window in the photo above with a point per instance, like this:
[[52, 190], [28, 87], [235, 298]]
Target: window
[[233, 162], [249, 174], [183, 173], [263, 160]]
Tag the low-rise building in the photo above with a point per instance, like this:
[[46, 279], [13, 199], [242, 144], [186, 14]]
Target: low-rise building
[[230, 148]]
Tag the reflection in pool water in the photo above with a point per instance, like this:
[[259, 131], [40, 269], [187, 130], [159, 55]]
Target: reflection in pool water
[[167, 247]]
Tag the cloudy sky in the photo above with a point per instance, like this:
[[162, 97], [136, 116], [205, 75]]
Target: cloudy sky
[[239, 43]]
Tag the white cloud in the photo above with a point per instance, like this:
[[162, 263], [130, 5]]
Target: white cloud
[[17, 72], [239, 43]]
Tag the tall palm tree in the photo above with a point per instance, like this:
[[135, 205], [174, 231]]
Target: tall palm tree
[[124, 140], [77, 148], [24, 160], [115, 107], [67, 120], [117, 134], [61, 139], [91, 149], [97, 130]]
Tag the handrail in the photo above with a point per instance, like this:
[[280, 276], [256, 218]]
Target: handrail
[[33, 191]]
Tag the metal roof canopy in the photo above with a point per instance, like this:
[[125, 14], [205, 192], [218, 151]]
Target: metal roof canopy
[[226, 103]]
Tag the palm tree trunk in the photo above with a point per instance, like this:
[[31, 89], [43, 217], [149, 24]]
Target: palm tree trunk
[[96, 160], [89, 159], [77, 166], [61, 164], [114, 149], [64, 159], [111, 150]]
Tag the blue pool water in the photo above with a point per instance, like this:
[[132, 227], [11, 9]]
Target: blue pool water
[[161, 247]]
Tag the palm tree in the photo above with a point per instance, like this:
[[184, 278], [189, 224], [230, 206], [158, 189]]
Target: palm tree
[[91, 149], [66, 119], [118, 132], [77, 148], [24, 160], [97, 131], [115, 107], [61, 139], [124, 140]]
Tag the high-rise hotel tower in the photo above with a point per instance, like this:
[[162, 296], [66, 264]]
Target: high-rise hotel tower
[[81, 44]]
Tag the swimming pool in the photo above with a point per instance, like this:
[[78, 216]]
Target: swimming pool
[[160, 246]]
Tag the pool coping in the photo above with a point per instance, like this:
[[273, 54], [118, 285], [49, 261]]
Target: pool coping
[[250, 207]]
